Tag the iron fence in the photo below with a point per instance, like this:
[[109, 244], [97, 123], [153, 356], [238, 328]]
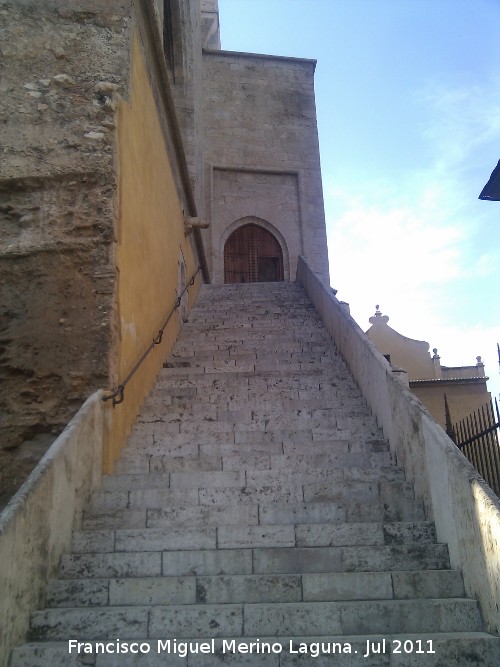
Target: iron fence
[[477, 438]]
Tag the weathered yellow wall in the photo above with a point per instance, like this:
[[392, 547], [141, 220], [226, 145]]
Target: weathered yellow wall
[[150, 241], [463, 399], [411, 355]]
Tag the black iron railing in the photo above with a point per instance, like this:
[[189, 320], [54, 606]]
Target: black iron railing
[[118, 396], [477, 438]]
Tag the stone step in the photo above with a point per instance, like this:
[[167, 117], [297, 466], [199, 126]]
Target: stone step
[[157, 437], [256, 337], [149, 440], [251, 314], [190, 349], [261, 419], [258, 380], [208, 316], [230, 368], [277, 560], [249, 536], [298, 354], [133, 462], [246, 476], [258, 619], [239, 399], [301, 327], [313, 386], [174, 401], [399, 494], [253, 307], [164, 424], [258, 392], [229, 589], [466, 649], [200, 405], [249, 514]]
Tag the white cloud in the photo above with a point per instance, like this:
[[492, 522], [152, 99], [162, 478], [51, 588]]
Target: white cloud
[[411, 243], [459, 120]]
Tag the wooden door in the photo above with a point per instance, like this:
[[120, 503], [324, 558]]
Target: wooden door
[[252, 255]]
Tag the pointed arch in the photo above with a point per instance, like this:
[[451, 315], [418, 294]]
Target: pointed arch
[[254, 252]]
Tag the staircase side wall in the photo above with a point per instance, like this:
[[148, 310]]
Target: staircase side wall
[[36, 526], [465, 510]]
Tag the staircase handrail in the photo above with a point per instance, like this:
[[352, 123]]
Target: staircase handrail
[[118, 395]]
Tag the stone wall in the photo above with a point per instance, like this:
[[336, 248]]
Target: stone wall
[[187, 89], [465, 510], [36, 528], [93, 195], [271, 199], [63, 66], [262, 152]]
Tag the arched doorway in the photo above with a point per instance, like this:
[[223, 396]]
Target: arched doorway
[[252, 255]]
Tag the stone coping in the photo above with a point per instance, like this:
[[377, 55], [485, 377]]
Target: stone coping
[[259, 56]]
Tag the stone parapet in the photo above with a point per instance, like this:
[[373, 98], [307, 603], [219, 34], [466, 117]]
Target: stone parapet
[[465, 510], [36, 526]]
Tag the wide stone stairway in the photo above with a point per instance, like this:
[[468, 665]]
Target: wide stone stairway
[[257, 501]]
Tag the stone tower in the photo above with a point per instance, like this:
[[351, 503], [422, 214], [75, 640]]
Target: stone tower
[[253, 118]]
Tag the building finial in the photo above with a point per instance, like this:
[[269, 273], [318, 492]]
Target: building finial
[[378, 318]]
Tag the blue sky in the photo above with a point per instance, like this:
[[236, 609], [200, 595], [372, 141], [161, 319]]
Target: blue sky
[[408, 103]]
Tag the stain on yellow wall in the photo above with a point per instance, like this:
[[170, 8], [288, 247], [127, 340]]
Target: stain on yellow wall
[[151, 242]]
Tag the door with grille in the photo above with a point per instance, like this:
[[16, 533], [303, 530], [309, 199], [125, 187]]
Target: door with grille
[[252, 255]]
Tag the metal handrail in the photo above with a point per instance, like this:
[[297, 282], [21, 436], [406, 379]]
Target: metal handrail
[[118, 396]]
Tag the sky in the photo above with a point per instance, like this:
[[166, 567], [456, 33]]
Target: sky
[[408, 106]]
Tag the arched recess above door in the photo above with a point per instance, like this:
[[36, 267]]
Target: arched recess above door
[[253, 250], [253, 253]]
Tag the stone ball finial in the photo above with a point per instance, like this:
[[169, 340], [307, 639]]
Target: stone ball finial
[[479, 361]]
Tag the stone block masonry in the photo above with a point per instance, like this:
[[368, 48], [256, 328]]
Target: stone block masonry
[[63, 69], [262, 145], [298, 531]]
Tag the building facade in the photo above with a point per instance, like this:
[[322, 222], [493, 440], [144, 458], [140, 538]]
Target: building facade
[[464, 387]]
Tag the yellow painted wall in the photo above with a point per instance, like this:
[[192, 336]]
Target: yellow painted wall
[[411, 355], [150, 241], [463, 399]]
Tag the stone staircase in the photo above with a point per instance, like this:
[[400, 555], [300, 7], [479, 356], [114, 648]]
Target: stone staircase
[[257, 501]]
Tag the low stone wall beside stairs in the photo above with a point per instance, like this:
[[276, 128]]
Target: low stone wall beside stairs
[[36, 526], [465, 510]]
